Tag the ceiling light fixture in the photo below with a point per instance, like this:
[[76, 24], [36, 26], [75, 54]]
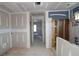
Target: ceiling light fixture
[[37, 4]]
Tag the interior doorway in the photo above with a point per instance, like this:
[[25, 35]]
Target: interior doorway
[[37, 29]]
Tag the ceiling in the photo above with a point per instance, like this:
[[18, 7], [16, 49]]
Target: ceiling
[[30, 6]]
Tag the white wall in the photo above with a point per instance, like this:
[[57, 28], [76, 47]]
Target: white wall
[[28, 29], [65, 48], [74, 32], [48, 28], [4, 32], [14, 30], [16, 26], [20, 30], [48, 31]]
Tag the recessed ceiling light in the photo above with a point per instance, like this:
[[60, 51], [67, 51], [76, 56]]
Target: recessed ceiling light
[[37, 3]]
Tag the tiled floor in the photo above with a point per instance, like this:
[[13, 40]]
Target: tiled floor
[[37, 49]]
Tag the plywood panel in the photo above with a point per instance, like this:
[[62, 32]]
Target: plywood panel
[[54, 32]]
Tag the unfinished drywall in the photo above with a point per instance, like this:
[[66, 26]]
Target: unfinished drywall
[[4, 42], [19, 30], [65, 48], [4, 20], [74, 30], [48, 30], [19, 39], [14, 31], [4, 32], [18, 21]]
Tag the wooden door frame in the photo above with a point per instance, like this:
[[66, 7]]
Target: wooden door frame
[[63, 28]]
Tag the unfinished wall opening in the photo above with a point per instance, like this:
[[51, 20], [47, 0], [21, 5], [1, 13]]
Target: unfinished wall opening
[[37, 29]]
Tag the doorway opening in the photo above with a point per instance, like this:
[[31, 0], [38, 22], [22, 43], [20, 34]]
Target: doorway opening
[[37, 30]]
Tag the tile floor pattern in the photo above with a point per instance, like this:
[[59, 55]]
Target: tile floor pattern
[[37, 49]]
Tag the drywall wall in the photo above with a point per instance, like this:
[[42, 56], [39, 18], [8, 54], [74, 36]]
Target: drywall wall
[[14, 30], [19, 40], [4, 32], [28, 29], [19, 30], [48, 30], [4, 42], [4, 20], [18, 21], [74, 30], [65, 48]]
